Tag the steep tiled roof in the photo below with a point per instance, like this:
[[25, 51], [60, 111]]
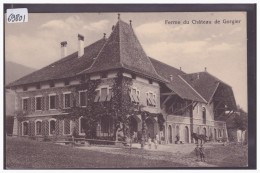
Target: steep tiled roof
[[202, 82], [123, 50], [66, 67], [206, 85], [177, 85]]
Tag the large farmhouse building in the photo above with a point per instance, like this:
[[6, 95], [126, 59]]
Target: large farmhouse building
[[188, 102]]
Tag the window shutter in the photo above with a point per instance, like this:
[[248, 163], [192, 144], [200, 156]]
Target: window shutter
[[42, 102], [29, 108], [47, 103], [71, 100], [57, 101], [61, 104], [33, 103]]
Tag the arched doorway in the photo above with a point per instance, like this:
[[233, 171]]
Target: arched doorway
[[186, 135], [170, 134], [177, 137], [215, 134], [150, 128], [204, 115], [198, 130], [133, 125], [205, 131]]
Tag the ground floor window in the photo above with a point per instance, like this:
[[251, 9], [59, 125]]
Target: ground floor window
[[82, 124], [52, 126], [38, 127], [105, 127], [25, 128], [66, 127]]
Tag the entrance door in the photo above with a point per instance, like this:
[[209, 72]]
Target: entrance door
[[186, 133], [150, 128], [170, 134], [204, 131], [215, 134]]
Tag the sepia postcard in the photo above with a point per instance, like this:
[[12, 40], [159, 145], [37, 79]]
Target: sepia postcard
[[129, 88]]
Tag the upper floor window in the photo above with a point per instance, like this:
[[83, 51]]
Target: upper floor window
[[52, 101], [25, 128], [103, 94], [82, 98], [25, 88], [104, 75], [38, 127], [204, 115], [133, 76], [66, 82], [38, 86], [135, 95], [52, 84], [67, 100], [38, 104], [25, 104], [151, 99]]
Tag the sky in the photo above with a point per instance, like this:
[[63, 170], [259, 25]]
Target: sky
[[219, 47]]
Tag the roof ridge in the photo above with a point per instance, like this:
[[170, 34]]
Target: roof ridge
[[106, 41], [167, 65], [209, 75], [192, 88], [148, 58]]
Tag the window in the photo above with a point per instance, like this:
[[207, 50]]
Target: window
[[52, 126], [103, 94], [25, 126], [204, 115], [38, 86], [151, 99], [97, 94], [66, 127], [52, 102], [25, 104], [133, 76], [82, 124], [38, 105], [38, 127], [66, 82], [52, 84], [135, 95], [25, 88], [109, 94], [82, 78], [82, 98], [103, 75], [104, 125], [67, 100], [150, 81]]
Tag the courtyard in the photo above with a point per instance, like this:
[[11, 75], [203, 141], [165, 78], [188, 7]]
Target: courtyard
[[23, 153]]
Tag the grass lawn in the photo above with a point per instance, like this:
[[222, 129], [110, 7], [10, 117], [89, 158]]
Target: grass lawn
[[25, 153]]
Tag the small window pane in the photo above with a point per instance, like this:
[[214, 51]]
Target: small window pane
[[52, 102], [38, 103]]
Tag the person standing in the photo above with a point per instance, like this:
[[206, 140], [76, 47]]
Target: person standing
[[149, 142], [197, 152], [155, 143], [202, 153]]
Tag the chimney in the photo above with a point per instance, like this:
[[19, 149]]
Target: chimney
[[180, 68], [63, 49], [80, 45], [130, 22], [205, 69], [198, 75], [171, 77]]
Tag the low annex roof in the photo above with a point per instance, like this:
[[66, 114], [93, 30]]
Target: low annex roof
[[177, 84], [63, 68]]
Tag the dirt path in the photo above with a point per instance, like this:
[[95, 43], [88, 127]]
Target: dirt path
[[174, 153]]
